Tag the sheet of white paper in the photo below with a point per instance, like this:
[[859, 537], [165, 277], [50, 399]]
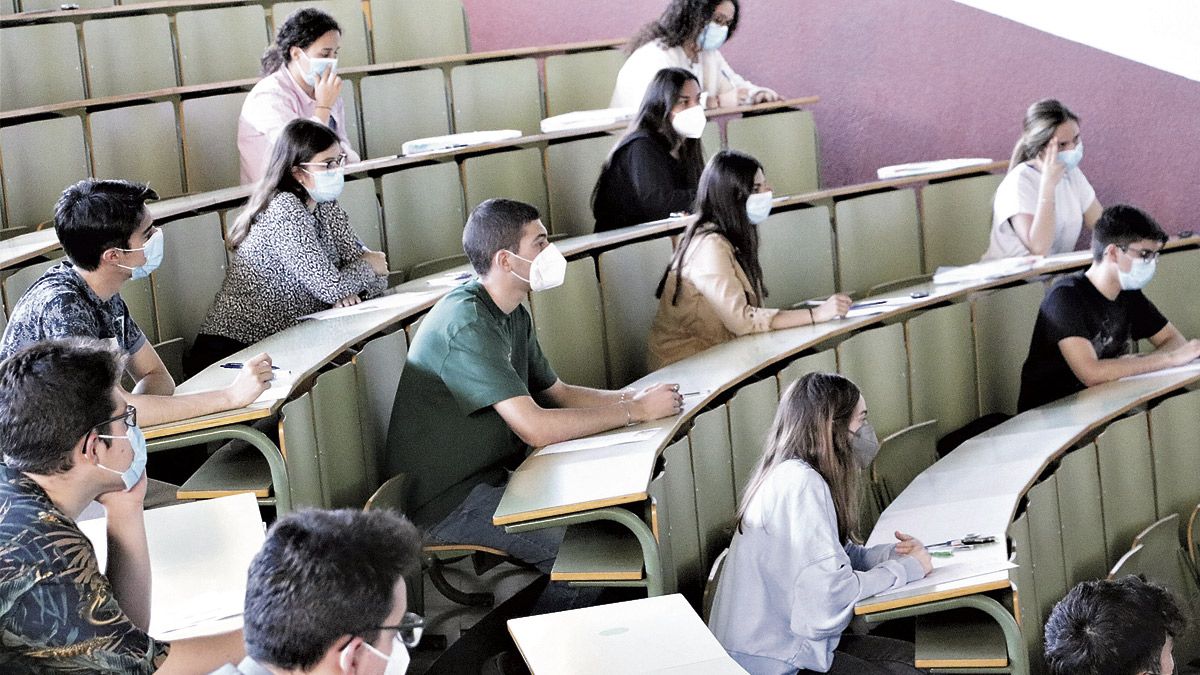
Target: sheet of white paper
[[280, 387], [599, 441], [450, 280], [1185, 368], [952, 570], [983, 271], [385, 302]]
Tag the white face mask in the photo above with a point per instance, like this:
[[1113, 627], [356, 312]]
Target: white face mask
[[548, 270], [758, 206], [397, 663], [690, 123]]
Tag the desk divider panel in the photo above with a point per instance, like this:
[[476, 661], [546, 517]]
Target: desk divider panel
[[581, 81], [404, 106], [878, 239], [15, 284], [40, 159], [416, 30], [751, 412], [628, 277], [824, 361], [128, 54], [1025, 599], [423, 214], [1126, 480], [193, 270], [378, 367], [796, 252], [941, 355], [1045, 533], [361, 205], [40, 65], [235, 55], [512, 174], [1173, 290], [660, 522], [570, 325], [902, 456], [497, 95], [1082, 515], [572, 170], [1164, 562], [1003, 326], [1175, 443], [119, 149], [682, 532], [209, 131], [712, 471], [875, 360], [957, 220], [786, 145]]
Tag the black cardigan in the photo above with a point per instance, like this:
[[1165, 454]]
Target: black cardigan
[[643, 182]]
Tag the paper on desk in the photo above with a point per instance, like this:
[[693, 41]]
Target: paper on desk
[[375, 304], [450, 280], [1185, 368], [952, 570], [878, 306], [280, 387], [598, 441], [983, 271]]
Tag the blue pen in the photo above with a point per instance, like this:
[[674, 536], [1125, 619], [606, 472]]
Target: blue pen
[[239, 366]]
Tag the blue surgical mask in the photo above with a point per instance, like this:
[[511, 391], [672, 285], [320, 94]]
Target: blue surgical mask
[[315, 68], [758, 206], [154, 256], [1072, 158], [712, 36], [1139, 274], [327, 185], [137, 440]]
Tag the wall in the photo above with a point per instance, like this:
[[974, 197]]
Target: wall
[[903, 81]]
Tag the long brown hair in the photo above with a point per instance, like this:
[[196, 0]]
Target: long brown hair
[[299, 142], [813, 424], [682, 22], [1041, 121], [725, 185]]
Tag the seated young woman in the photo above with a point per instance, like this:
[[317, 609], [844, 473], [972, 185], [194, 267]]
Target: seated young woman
[[1045, 200], [713, 289], [689, 35], [299, 81], [795, 568], [653, 170], [293, 252]]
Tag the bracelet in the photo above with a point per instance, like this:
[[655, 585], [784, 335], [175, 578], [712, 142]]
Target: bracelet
[[812, 318]]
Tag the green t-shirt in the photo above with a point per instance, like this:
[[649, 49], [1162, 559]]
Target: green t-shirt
[[445, 435]]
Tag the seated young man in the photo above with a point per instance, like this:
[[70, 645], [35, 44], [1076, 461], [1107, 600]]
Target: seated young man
[[326, 595], [67, 437], [109, 238], [1089, 321], [477, 390], [1124, 626]]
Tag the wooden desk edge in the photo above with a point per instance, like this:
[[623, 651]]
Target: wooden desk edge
[[913, 600], [517, 517], [208, 422]]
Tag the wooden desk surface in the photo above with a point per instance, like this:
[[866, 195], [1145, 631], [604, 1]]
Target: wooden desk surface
[[550, 483], [652, 635], [979, 485], [16, 250]]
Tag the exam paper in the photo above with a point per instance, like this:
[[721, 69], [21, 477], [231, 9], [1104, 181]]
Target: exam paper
[[592, 442], [952, 570], [280, 387], [1185, 368], [983, 271], [389, 301]]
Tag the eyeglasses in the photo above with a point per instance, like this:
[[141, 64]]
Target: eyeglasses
[[1145, 254], [130, 417], [329, 164], [409, 630]]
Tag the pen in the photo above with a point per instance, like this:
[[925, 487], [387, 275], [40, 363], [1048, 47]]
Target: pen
[[941, 554], [691, 393], [239, 366]]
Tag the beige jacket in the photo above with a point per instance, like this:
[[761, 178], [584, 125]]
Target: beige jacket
[[715, 305]]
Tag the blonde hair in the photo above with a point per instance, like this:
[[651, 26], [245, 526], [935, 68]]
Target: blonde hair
[[813, 424], [1042, 119]]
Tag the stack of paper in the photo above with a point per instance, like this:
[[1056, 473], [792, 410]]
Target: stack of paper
[[583, 119], [983, 271], [936, 166], [463, 140]]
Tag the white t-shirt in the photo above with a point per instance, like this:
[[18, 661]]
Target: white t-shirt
[[1018, 193], [717, 79]]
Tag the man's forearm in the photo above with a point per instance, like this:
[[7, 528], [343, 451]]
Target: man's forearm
[[203, 654], [159, 409], [155, 384], [129, 564]]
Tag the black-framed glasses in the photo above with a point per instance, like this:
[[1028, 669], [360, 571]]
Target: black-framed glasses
[[130, 417], [329, 164], [1143, 254], [409, 630]]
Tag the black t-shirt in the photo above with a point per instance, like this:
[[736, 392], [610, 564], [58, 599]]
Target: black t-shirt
[[642, 183], [1076, 308]]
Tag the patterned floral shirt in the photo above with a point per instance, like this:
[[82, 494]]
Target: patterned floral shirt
[[59, 614], [60, 304]]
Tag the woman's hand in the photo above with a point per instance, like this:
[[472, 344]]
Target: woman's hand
[[378, 262], [1052, 169], [911, 546], [765, 96], [836, 306], [328, 89], [351, 299]]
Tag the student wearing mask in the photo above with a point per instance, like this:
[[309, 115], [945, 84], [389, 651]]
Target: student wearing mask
[[1089, 320], [1123, 626], [652, 171], [688, 35], [1045, 200], [68, 437], [795, 568], [294, 252], [326, 596], [299, 80], [110, 238], [477, 391], [713, 289]]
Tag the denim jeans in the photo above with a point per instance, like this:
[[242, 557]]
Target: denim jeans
[[471, 523], [870, 655]]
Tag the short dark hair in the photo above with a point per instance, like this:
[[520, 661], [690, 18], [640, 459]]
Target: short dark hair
[[321, 575], [52, 393], [495, 225], [300, 29], [1111, 627], [93, 216], [1122, 224]]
